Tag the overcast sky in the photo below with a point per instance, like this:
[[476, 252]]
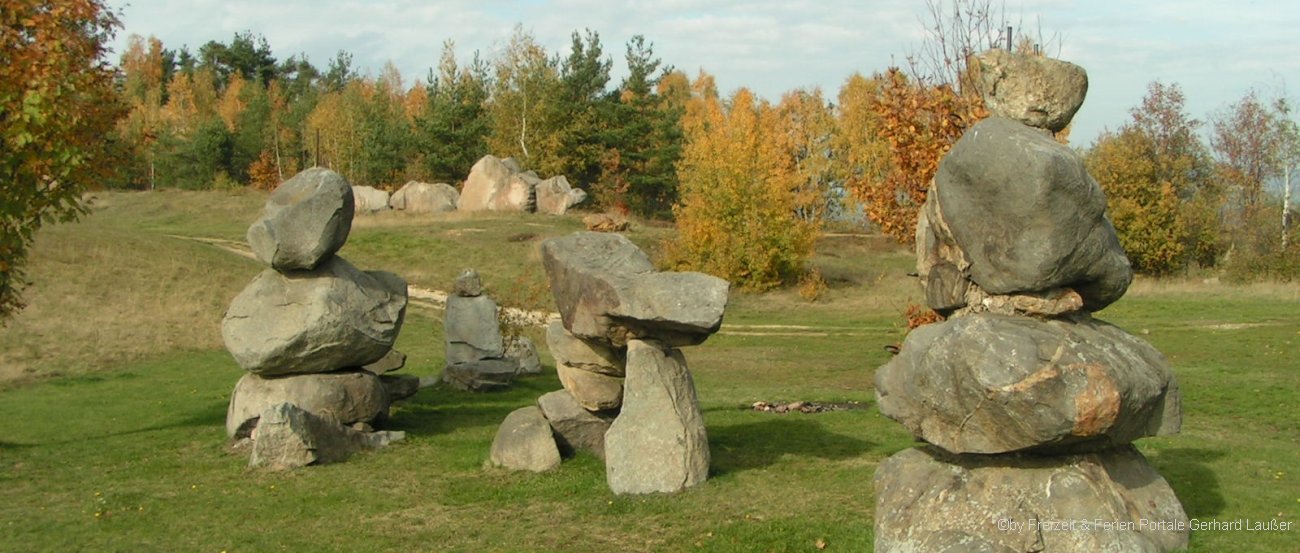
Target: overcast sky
[[1216, 50]]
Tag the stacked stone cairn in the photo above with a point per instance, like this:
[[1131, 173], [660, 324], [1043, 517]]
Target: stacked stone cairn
[[1027, 403], [478, 357], [628, 396], [314, 333]]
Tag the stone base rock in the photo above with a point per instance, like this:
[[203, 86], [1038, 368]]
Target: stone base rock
[[346, 396], [290, 437], [929, 500], [593, 391], [995, 384], [524, 442], [576, 429], [330, 318], [481, 376], [658, 442], [307, 218], [524, 352]]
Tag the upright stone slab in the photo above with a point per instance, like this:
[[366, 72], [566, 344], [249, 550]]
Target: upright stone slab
[[306, 219], [929, 500], [330, 318], [472, 330], [658, 443]]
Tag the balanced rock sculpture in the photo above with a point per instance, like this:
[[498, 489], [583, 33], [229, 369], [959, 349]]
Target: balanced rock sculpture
[[628, 395], [476, 353], [312, 331], [1029, 404]]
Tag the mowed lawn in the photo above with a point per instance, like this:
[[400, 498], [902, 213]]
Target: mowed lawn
[[114, 385]]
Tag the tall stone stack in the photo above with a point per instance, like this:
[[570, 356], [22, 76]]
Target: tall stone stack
[[628, 395], [307, 328], [1027, 403], [477, 357]]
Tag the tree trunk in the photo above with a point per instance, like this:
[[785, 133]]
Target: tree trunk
[[1286, 206]]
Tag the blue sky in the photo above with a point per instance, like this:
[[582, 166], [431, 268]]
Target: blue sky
[[1216, 50]]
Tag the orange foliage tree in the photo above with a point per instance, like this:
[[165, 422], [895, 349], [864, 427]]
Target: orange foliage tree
[[739, 215], [57, 103]]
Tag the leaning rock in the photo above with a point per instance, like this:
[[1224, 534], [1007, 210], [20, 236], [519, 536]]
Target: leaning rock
[[481, 376], [594, 391], [607, 289], [423, 197], [1034, 90], [524, 442], [472, 329], [928, 500], [314, 321], [993, 384], [346, 396], [658, 442], [306, 219], [576, 429], [575, 352], [369, 199], [290, 437], [1027, 216], [555, 196], [524, 353], [391, 361]]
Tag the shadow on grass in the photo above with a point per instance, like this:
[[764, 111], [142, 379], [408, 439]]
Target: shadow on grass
[[442, 409], [212, 414], [756, 445], [1188, 472]]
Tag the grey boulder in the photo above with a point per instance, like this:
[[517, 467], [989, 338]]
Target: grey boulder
[[524, 353], [608, 290], [290, 437], [472, 329], [495, 185], [330, 318], [994, 383], [306, 219], [482, 375], [658, 443], [1034, 90], [423, 197], [1027, 216], [929, 500], [346, 396], [524, 442], [594, 391], [587, 355], [576, 428], [467, 284], [555, 196], [369, 199]]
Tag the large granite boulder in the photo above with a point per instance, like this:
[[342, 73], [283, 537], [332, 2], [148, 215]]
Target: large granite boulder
[[369, 199], [555, 196], [658, 443], [306, 219], [524, 442], [994, 383], [423, 197], [1034, 90], [330, 318], [472, 329], [492, 185], [576, 428], [1027, 216], [607, 290], [929, 500], [348, 397], [291, 437]]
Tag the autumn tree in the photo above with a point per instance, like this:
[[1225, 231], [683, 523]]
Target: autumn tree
[[1156, 175], [58, 104], [525, 87], [809, 125], [1246, 140], [862, 153], [143, 90], [739, 216]]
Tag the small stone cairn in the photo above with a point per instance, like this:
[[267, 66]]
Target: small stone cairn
[[1027, 403], [628, 396], [478, 357], [314, 333]]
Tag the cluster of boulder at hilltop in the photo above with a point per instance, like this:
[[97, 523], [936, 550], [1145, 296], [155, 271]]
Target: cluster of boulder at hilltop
[[1028, 404], [493, 184], [627, 394], [314, 333]]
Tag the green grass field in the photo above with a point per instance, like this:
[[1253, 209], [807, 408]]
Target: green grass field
[[114, 384]]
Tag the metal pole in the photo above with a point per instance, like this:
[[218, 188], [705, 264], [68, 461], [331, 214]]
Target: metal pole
[[1008, 38]]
